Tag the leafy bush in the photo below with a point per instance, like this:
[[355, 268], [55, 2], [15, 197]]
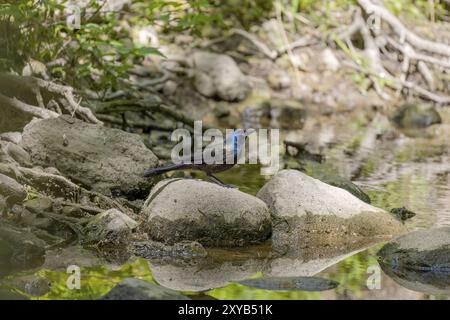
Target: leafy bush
[[97, 54]]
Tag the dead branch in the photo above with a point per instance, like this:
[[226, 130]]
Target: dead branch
[[373, 46], [417, 56], [274, 54], [416, 41]]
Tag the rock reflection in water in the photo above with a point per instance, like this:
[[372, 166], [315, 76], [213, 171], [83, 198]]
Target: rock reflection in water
[[419, 261]]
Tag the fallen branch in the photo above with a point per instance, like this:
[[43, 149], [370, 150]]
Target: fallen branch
[[375, 69], [273, 54], [412, 54], [416, 41]]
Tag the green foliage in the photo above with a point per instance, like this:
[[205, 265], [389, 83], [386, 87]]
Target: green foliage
[[245, 12], [423, 9], [98, 54], [95, 281]]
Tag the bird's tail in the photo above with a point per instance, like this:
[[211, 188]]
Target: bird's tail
[[157, 171]]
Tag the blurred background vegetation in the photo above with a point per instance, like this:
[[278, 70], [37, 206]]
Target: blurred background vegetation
[[101, 52]]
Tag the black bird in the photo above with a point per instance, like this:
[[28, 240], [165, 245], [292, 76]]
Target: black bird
[[233, 147]]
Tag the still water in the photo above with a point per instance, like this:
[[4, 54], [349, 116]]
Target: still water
[[407, 169]]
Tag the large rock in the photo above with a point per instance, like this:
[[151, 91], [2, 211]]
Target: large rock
[[308, 211], [195, 210], [135, 289], [106, 160], [419, 260], [11, 190], [217, 75]]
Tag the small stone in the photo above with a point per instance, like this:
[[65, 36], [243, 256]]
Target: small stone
[[39, 205], [221, 111], [42, 223], [416, 116], [170, 87], [111, 227], [72, 211], [218, 75], [278, 81], [329, 61]]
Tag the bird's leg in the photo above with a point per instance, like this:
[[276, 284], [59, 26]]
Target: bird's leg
[[218, 181]]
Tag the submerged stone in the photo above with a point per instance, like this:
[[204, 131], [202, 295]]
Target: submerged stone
[[291, 284]]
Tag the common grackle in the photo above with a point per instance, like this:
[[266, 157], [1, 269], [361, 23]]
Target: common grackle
[[233, 146]]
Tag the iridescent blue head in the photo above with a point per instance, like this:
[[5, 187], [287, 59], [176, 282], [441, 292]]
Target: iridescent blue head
[[236, 140]]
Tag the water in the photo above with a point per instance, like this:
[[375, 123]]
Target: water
[[411, 170]]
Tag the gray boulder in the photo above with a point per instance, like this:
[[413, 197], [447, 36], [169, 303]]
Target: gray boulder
[[195, 210], [308, 211], [135, 289], [217, 75], [419, 260], [102, 159]]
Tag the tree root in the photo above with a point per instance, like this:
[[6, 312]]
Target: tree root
[[143, 105], [39, 87]]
